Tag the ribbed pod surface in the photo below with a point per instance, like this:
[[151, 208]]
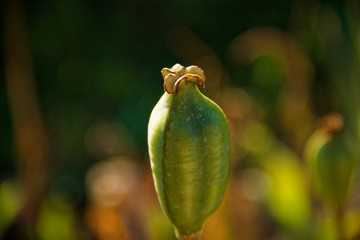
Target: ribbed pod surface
[[189, 149]]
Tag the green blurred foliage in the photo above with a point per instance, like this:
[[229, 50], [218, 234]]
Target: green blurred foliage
[[9, 203], [274, 67]]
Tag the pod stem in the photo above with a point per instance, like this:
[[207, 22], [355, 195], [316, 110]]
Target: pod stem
[[340, 224], [192, 236]]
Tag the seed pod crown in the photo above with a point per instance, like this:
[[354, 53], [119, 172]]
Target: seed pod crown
[[178, 74]]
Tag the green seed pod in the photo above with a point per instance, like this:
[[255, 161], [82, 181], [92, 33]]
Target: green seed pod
[[332, 153], [189, 148]]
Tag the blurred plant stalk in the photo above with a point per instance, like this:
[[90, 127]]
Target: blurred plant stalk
[[31, 144], [332, 155]]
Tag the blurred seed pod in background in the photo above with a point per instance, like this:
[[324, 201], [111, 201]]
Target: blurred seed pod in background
[[332, 156]]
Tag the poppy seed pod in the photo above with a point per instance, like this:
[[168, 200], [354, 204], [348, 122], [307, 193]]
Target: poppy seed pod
[[332, 154], [189, 148]]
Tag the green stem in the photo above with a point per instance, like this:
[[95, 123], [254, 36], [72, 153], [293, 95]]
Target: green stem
[[340, 224], [192, 236]]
